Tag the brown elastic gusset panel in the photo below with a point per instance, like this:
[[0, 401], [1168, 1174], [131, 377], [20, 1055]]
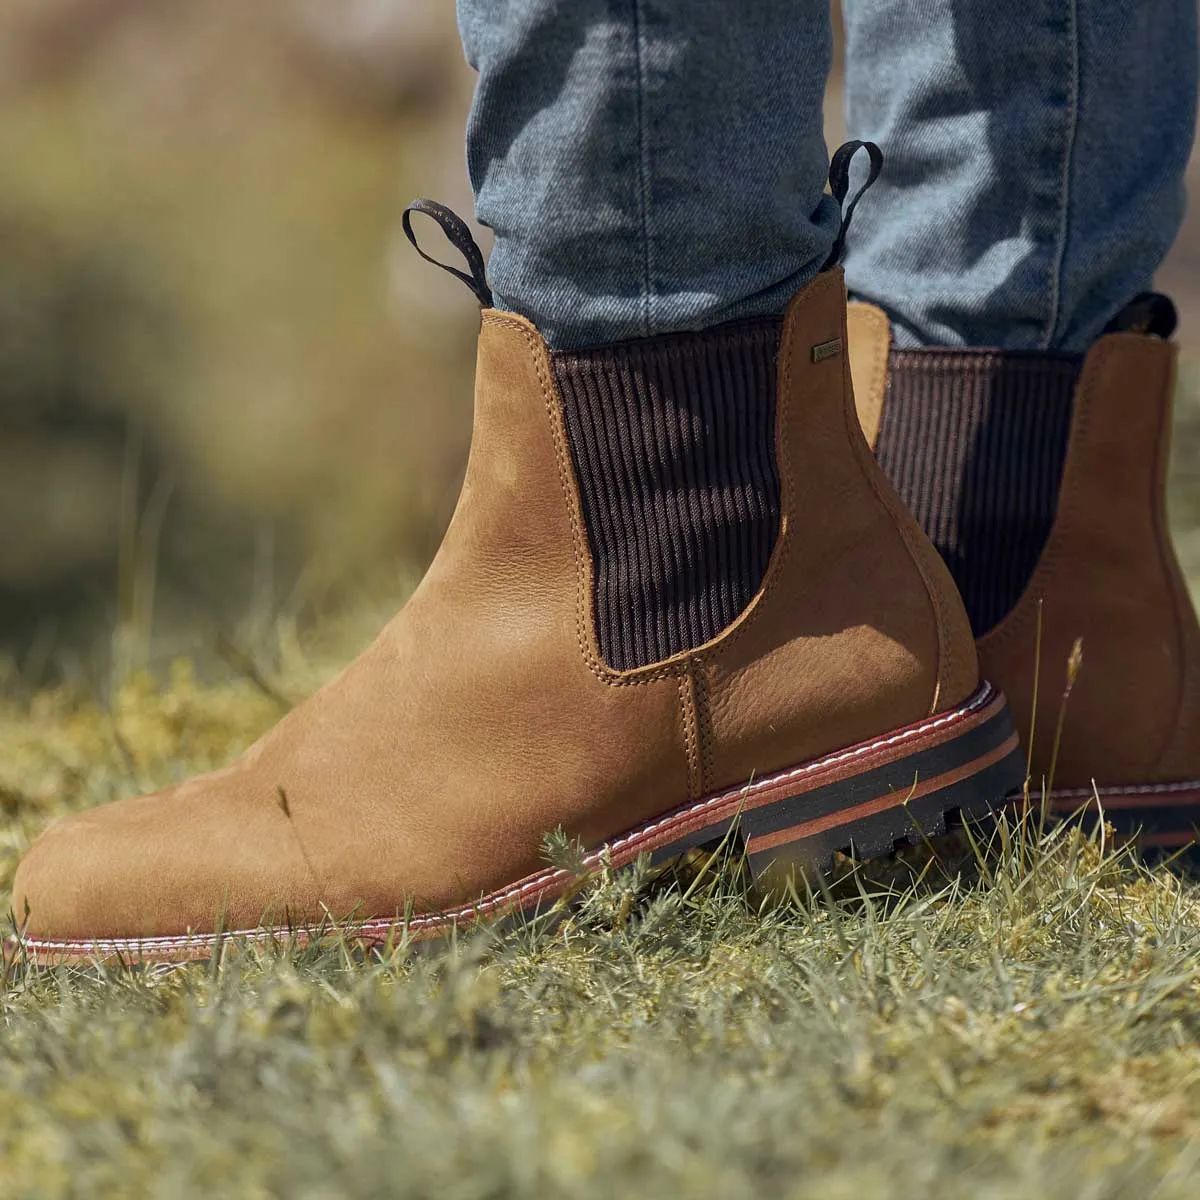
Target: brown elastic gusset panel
[[974, 441], [673, 444]]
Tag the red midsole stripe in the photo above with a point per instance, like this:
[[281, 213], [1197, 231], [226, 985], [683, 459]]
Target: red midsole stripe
[[793, 784], [882, 803]]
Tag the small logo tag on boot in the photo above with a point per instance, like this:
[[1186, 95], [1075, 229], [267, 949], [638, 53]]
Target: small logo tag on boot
[[827, 350]]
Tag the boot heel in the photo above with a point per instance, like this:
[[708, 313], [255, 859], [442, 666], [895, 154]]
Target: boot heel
[[872, 800]]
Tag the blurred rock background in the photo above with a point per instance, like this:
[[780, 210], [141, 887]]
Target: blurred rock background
[[230, 395]]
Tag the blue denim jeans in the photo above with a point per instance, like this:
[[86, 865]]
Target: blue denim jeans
[[649, 166]]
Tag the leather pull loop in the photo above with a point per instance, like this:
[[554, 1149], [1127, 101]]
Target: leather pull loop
[[1150, 313], [839, 185], [459, 236]]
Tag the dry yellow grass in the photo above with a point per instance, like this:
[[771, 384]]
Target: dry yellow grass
[[1035, 1034]]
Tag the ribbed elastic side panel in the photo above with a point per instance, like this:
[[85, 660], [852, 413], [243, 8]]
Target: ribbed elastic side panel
[[974, 441], [673, 442]]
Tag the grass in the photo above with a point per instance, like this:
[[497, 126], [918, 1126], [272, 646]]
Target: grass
[[1037, 1033]]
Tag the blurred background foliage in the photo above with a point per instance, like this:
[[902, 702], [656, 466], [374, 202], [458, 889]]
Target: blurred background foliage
[[230, 396], [223, 386]]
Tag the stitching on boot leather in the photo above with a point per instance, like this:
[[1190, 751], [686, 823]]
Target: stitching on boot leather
[[985, 695], [781, 554], [703, 721], [784, 543], [933, 592], [639, 675], [548, 399], [1141, 789], [672, 440], [687, 714]]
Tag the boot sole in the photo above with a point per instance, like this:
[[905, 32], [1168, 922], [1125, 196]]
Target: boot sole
[[867, 800], [1162, 819]]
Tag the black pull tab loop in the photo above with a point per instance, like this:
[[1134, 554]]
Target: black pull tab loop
[[839, 185], [459, 236]]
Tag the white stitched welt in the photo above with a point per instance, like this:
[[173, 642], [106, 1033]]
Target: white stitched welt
[[1141, 789], [534, 883], [770, 781], [543, 879]]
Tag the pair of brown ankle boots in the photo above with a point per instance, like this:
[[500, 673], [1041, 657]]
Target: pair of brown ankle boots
[[680, 599]]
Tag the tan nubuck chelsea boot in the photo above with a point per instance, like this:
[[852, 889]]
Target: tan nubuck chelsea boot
[[677, 598], [1041, 478]]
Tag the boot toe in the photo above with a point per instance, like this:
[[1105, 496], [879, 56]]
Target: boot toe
[[177, 862]]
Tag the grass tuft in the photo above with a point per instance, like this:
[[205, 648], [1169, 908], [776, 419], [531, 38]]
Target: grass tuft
[[1029, 1027]]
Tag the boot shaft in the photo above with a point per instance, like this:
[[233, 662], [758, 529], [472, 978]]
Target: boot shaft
[[848, 602], [1070, 543]]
